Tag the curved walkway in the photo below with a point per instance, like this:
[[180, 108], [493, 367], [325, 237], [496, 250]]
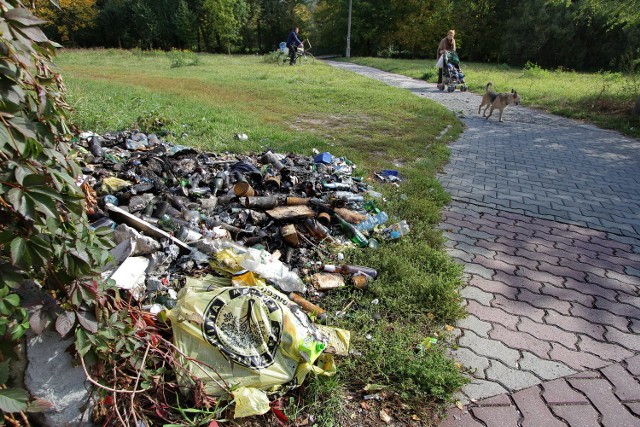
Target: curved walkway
[[545, 218]]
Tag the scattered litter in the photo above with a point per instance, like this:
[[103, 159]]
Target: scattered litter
[[230, 246]]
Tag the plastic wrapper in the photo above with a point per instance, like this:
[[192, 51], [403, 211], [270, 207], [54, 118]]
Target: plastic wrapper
[[252, 337], [233, 258]]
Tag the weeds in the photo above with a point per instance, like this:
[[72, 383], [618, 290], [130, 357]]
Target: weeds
[[183, 58]]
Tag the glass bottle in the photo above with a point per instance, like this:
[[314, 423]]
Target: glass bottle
[[167, 223], [356, 235], [350, 269], [317, 230]]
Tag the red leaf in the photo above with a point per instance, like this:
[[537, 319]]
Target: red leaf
[[282, 418]]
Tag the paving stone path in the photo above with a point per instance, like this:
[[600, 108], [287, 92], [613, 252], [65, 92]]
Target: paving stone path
[[545, 218]]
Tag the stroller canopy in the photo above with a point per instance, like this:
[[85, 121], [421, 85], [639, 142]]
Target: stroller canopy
[[452, 58]]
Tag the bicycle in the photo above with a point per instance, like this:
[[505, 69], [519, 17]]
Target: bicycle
[[303, 56]]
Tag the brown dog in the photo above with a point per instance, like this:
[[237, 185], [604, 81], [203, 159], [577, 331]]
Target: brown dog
[[497, 100]]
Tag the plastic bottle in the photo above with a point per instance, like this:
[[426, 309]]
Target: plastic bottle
[[337, 185], [349, 197], [396, 230], [356, 235], [372, 221], [350, 269]]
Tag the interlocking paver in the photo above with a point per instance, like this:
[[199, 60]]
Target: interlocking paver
[[600, 316], [591, 289], [575, 359], [543, 368], [558, 392], [633, 365], [518, 282], [494, 287], [599, 392], [611, 283], [479, 389], [472, 323], [575, 324], [562, 271], [518, 307], [544, 302], [489, 348], [568, 295], [625, 385], [603, 350], [470, 360], [471, 292], [548, 333], [460, 418], [520, 341], [511, 377], [538, 276], [494, 315], [577, 415], [497, 416], [534, 411], [619, 308]]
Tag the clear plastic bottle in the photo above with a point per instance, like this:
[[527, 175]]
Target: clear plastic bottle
[[397, 230], [372, 221]]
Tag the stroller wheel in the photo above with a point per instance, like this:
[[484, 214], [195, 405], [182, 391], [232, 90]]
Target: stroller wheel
[[440, 86], [463, 88], [451, 88]]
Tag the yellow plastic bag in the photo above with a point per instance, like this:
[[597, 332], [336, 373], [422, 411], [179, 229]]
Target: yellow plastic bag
[[248, 336]]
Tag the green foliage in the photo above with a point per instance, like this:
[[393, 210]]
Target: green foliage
[[182, 58], [535, 71], [45, 237]]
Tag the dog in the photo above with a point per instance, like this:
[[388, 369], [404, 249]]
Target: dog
[[497, 100]]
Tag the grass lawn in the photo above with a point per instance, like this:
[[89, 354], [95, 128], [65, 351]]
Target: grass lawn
[[605, 99], [296, 109]]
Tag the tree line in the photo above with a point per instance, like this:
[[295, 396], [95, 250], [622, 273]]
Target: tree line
[[578, 34]]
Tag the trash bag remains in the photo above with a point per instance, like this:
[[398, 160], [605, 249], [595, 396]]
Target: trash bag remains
[[253, 338]]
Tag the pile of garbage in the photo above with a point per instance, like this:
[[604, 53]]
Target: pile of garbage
[[232, 247]]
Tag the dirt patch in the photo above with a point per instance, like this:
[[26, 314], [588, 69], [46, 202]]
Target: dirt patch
[[330, 126]]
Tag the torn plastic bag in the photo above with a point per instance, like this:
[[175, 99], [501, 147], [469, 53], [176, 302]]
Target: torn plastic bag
[[232, 258], [252, 337]]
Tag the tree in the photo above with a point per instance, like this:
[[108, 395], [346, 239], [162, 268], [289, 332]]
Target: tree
[[626, 13], [223, 20], [68, 19]]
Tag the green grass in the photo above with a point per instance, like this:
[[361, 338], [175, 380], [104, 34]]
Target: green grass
[[296, 109], [605, 99]]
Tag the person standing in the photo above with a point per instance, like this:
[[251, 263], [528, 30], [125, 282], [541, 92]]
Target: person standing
[[293, 42], [447, 44]]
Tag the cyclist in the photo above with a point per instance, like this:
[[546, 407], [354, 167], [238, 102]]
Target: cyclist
[[293, 42]]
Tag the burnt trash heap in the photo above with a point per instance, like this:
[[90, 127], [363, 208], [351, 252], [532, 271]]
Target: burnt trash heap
[[176, 199], [263, 220]]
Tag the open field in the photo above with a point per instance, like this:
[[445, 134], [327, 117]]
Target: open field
[[604, 99], [296, 109]]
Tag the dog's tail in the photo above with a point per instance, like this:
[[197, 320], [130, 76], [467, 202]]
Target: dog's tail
[[486, 88]]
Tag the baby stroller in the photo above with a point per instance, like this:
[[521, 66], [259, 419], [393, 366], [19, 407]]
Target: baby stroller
[[452, 76]]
